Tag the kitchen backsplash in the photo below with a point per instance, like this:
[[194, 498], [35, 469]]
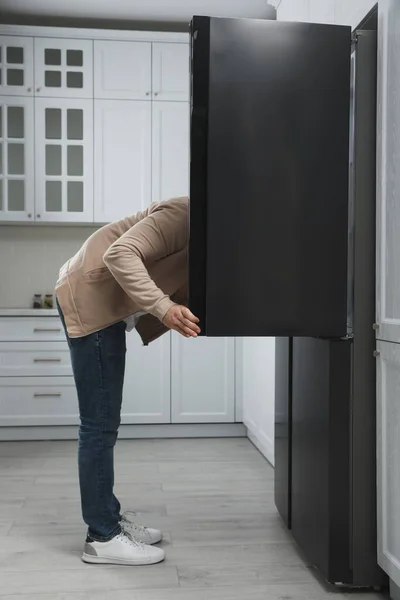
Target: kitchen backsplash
[[31, 257]]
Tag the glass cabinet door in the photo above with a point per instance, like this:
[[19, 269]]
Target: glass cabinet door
[[16, 159], [63, 68], [16, 66], [64, 160]]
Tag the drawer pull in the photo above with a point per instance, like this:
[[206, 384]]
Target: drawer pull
[[47, 360], [44, 330], [55, 395]]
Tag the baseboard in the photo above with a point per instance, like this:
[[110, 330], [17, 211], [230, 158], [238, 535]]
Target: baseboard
[[128, 431], [264, 445]]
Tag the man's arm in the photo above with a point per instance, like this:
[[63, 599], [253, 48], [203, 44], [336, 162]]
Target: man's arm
[[162, 232]]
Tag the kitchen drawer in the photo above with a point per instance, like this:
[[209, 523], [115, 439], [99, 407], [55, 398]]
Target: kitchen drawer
[[31, 329], [46, 359], [38, 401]]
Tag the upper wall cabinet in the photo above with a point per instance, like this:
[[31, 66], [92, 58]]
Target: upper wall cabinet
[[63, 68], [64, 160], [122, 70], [122, 158], [170, 149], [16, 159], [16, 66], [171, 71]]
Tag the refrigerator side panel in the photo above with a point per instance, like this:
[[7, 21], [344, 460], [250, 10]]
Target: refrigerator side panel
[[283, 419]]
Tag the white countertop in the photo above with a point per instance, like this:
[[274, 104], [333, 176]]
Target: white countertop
[[28, 312]]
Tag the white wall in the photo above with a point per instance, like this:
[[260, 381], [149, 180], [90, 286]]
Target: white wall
[[352, 12], [258, 391], [341, 12], [30, 259], [139, 10]]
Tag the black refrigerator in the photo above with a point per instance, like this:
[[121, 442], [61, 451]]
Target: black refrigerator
[[279, 247]]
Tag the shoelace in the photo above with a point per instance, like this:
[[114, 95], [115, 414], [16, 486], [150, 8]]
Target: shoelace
[[135, 526], [127, 538]]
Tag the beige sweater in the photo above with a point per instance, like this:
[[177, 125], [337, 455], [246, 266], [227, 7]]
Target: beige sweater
[[137, 264]]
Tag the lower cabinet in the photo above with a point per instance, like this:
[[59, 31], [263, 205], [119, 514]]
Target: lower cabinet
[[202, 380], [147, 387], [388, 465], [173, 380], [38, 401]]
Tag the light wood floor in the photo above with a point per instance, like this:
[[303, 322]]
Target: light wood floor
[[212, 498]]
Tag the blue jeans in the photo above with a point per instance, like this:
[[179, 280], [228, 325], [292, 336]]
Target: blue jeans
[[98, 363]]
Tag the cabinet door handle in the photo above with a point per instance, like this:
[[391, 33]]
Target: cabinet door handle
[[156, 93], [376, 353], [47, 360], [44, 330], [55, 395]]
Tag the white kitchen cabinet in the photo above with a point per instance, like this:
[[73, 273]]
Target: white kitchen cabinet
[[388, 195], [16, 159], [31, 329], [170, 72], [388, 446], [122, 158], [202, 380], [38, 401], [64, 160], [122, 70], [34, 359], [147, 387], [16, 66], [63, 68], [170, 149]]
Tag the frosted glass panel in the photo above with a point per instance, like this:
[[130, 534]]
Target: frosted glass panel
[[52, 56], [16, 195], [74, 79], [53, 123], [1, 159], [75, 124], [16, 159], [52, 79], [75, 160], [53, 160], [75, 196], [1, 121], [74, 58], [15, 55], [15, 77], [53, 196], [1, 195], [15, 122]]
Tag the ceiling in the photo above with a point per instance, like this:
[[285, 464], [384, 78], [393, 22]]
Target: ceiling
[[137, 10]]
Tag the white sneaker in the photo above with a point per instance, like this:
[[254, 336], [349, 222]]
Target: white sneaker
[[122, 550], [146, 535]]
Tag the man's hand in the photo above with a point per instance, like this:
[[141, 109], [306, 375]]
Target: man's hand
[[182, 320]]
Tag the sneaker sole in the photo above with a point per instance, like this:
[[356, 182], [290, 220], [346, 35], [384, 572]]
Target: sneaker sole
[[106, 560]]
